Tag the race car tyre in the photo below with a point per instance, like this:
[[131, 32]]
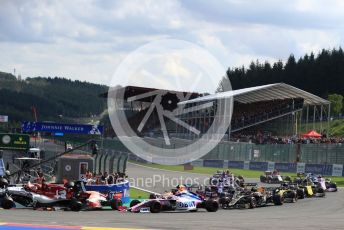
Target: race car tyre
[[262, 179], [134, 202], [291, 195], [287, 179], [269, 179], [319, 192], [211, 205], [300, 193], [224, 202], [3, 182], [7, 203], [152, 196], [115, 203], [332, 187], [155, 207], [36, 205], [253, 202], [75, 205], [278, 200]]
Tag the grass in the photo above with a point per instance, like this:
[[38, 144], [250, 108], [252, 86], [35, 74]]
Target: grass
[[138, 194], [337, 127], [243, 172]]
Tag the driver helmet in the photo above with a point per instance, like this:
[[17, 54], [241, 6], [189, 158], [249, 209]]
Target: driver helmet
[[181, 188]]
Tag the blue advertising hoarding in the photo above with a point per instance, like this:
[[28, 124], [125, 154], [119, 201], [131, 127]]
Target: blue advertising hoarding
[[319, 169], [260, 166], [285, 167], [121, 188], [213, 163], [29, 127], [236, 164]]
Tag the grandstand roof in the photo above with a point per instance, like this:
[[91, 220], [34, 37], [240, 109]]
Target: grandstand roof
[[264, 93], [132, 91]]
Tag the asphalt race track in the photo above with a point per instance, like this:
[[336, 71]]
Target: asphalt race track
[[312, 213]]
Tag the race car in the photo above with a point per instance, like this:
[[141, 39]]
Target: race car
[[182, 200], [273, 178], [12, 195], [325, 183], [318, 184], [249, 198], [226, 179], [288, 195], [72, 196]]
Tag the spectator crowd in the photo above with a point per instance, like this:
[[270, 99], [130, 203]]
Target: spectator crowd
[[103, 178], [260, 138]]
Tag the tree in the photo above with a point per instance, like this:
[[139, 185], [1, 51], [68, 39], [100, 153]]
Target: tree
[[336, 103], [320, 73]]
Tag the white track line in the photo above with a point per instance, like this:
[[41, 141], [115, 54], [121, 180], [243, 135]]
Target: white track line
[[145, 190]]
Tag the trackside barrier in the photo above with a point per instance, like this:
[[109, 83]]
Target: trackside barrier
[[120, 190], [319, 169], [301, 168], [110, 161], [213, 163], [236, 164], [271, 166], [259, 166], [286, 167], [323, 169], [96, 167], [337, 170], [197, 163]]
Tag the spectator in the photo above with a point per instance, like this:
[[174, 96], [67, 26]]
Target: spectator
[[104, 178], [110, 179]]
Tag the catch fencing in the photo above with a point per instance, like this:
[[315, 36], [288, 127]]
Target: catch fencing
[[326, 159]]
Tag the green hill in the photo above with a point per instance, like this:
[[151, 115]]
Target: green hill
[[52, 97]]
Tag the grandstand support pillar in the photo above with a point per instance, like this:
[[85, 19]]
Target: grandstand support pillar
[[307, 115], [295, 123], [328, 120], [321, 118], [314, 108], [300, 119]]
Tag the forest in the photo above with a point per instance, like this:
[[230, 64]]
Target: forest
[[321, 74], [53, 98]]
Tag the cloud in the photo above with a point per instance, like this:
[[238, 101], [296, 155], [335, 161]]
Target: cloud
[[87, 40]]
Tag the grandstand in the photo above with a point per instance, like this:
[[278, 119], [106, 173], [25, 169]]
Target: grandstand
[[276, 109]]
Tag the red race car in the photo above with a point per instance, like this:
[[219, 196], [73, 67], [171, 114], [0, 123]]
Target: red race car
[[72, 195]]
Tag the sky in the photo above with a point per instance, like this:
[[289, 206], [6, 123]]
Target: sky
[[87, 40]]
